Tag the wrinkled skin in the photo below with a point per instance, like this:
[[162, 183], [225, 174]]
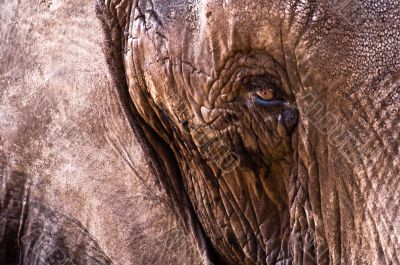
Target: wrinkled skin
[[267, 131], [304, 97], [75, 184]]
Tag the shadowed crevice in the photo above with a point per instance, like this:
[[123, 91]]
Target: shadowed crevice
[[158, 153]]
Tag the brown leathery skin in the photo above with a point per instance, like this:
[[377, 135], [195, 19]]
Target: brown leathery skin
[[199, 132], [300, 194], [76, 184]]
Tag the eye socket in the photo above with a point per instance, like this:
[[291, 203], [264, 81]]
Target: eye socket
[[263, 86]]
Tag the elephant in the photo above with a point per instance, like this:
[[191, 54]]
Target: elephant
[[202, 132]]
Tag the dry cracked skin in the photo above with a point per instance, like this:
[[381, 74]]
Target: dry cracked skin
[[216, 132]]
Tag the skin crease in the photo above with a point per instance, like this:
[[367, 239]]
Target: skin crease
[[331, 181]]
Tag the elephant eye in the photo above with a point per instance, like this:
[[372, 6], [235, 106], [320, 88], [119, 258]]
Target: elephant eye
[[264, 87], [266, 94]]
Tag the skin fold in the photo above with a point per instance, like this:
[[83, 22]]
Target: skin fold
[[199, 132]]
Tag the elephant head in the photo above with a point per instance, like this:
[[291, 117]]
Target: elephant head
[[272, 124]]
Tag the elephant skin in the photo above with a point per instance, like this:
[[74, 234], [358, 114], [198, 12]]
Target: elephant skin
[[75, 185], [204, 132]]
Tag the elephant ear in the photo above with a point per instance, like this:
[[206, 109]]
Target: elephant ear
[[114, 16]]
